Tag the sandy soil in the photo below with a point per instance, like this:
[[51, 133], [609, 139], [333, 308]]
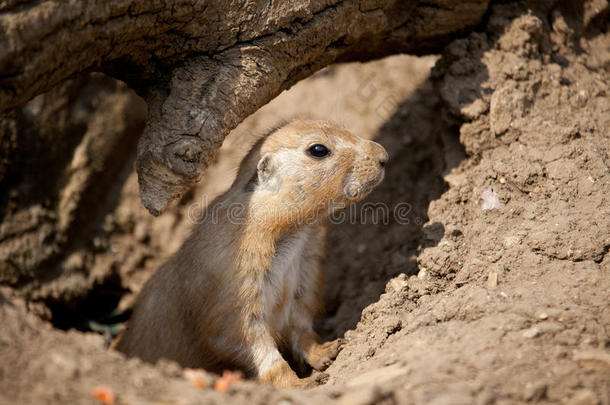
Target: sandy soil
[[486, 279]]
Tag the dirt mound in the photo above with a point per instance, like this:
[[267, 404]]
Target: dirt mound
[[514, 293], [484, 275]]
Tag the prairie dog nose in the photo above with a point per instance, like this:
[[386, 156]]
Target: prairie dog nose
[[384, 159], [379, 153]]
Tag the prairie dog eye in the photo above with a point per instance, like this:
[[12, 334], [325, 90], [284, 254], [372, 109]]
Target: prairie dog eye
[[318, 151]]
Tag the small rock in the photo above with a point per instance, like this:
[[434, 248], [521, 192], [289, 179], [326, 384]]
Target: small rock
[[473, 110], [543, 316], [490, 200], [510, 241], [423, 273], [583, 397], [397, 283], [75, 262], [462, 277], [531, 332], [534, 391], [456, 179], [492, 280]]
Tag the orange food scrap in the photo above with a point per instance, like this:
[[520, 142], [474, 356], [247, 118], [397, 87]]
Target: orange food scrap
[[196, 377], [228, 378], [104, 394]]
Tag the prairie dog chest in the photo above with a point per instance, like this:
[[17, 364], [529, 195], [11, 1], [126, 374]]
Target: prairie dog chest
[[285, 277]]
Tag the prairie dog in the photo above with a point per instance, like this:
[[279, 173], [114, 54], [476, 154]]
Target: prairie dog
[[247, 284]]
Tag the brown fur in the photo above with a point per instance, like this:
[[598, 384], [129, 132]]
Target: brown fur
[[248, 281]]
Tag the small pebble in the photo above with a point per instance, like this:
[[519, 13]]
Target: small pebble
[[534, 391], [422, 273], [543, 316], [492, 280], [490, 200], [531, 332]]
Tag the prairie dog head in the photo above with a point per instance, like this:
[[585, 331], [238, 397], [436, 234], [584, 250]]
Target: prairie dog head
[[311, 168]]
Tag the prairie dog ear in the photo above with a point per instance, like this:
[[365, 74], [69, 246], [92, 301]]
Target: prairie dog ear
[[265, 168]]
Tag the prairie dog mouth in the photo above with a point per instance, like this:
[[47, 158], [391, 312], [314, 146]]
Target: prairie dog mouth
[[356, 191]]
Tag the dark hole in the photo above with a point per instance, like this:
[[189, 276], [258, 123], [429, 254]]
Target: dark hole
[[97, 311]]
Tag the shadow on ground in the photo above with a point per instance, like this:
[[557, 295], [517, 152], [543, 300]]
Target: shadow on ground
[[382, 236]]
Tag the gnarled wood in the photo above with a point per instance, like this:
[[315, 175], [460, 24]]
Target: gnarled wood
[[205, 66]]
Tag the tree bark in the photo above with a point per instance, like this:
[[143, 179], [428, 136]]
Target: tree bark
[[205, 66]]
